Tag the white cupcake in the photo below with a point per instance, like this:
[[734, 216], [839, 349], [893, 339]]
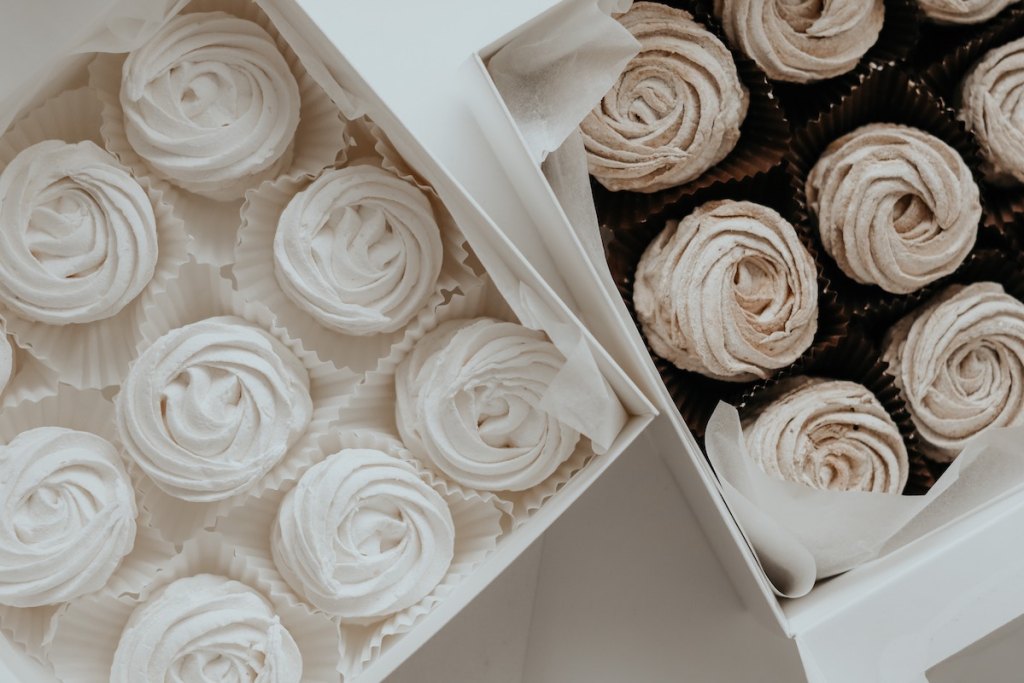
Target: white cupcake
[[468, 402], [362, 536], [209, 408], [84, 239], [210, 104]]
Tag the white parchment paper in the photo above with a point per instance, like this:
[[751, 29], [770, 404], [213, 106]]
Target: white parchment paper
[[579, 395], [802, 534], [551, 77], [121, 27]]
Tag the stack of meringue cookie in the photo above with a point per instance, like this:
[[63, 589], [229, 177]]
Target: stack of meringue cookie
[[260, 409], [881, 206]]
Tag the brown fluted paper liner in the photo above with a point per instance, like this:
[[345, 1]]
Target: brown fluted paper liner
[[254, 264], [801, 534], [943, 66], [764, 138], [478, 525], [888, 96], [96, 354], [320, 139], [947, 52], [88, 631], [898, 37], [88, 410], [199, 293], [695, 395]]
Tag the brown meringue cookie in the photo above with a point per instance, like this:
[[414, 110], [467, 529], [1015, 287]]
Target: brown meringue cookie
[[728, 292], [896, 206], [992, 107], [963, 11], [828, 434], [805, 41], [959, 362], [675, 111]]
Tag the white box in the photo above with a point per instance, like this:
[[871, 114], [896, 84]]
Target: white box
[[888, 620], [315, 41]]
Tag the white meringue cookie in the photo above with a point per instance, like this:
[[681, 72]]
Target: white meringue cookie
[[729, 292], [211, 407], [959, 361], [829, 434], [206, 629], [802, 42], [362, 536], [897, 207], [359, 250], [963, 11], [68, 516], [468, 400], [78, 239], [211, 104], [675, 111], [991, 107]]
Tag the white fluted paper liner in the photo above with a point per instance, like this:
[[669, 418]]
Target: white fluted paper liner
[[320, 138], [96, 354], [254, 272], [478, 525], [31, 380], [87, 632], [199, 292], [88, 411], [373, 402]]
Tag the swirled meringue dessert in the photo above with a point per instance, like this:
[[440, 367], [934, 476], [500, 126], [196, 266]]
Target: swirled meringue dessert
[[468, 401], [896, 206], [78, 235], [963, 11], [990, 106], [729, 292], [802, 42], [68, 516], [206, 629], [675, 111], [359, 250], [959, 362], [211, 104], [362, 536], [828, 434], [211, 407]]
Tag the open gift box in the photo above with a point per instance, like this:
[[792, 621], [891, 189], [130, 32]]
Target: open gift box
[[115, 27], [955, 580]]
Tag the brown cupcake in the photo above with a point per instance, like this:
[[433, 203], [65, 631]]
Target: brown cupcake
[[675, 111], [728, 292], [828, 434], [805, 42], [896, 206], [959, 363]]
